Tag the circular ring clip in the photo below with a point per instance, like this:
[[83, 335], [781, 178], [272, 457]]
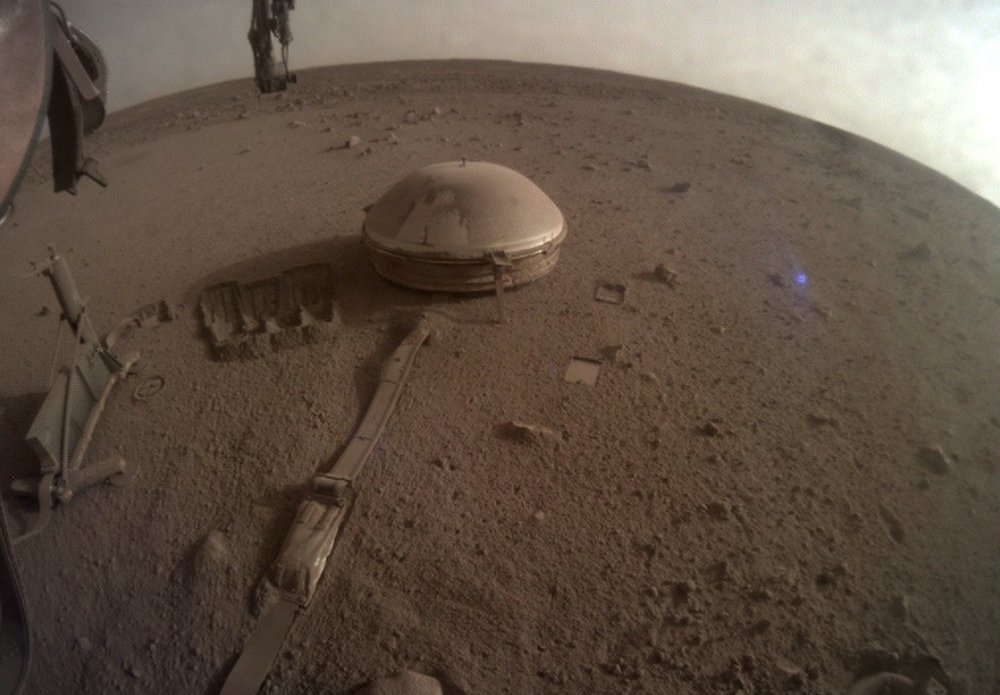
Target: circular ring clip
[[148, 388]]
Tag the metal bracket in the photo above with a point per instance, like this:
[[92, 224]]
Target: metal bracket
[[64, 426], [500, 263]]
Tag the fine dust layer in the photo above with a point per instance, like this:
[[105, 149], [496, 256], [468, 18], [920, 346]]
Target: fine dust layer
[[742, 501]]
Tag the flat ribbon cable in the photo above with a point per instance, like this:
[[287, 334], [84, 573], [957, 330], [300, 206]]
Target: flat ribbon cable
[[290, 583]]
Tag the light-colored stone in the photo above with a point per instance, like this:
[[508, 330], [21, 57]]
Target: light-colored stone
[[404, 683]]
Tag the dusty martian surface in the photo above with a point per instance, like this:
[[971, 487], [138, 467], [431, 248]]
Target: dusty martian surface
[[784, 478]]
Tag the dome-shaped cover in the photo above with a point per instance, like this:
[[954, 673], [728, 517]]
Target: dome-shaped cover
[[464, 211]]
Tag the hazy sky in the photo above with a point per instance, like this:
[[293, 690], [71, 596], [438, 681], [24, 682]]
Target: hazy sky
[[918, 76]]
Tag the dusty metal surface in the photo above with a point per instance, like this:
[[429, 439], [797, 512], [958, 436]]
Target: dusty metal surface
[[270, 18], [64, 426], [244, 320], [15, 635], [442, 227], [15, 644], [23, 43], [76, 102], [60, 425], [462, 276], [84, 62], [263, 648]]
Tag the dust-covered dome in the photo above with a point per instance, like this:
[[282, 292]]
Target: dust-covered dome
[[448, 226]]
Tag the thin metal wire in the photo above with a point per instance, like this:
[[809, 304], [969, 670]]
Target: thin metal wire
[[55, 354]]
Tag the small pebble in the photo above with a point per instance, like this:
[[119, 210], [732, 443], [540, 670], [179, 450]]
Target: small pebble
[[920, 252], [709, 429], [899, 607], [719, 510], [934, 459], [778, 279], [665, 275]]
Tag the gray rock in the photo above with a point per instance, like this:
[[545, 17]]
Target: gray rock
[[404, 683], [719, 510], [665, 275], [709, 429], [794, 677], [212, 559], [882, 684], [819, 419], [920, 252], [899, 607], [778, 279], [934, 687], [529, 434], [934, 459], [684, 589]]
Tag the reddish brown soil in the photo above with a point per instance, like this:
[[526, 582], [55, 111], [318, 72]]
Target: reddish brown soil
[[738, 505]]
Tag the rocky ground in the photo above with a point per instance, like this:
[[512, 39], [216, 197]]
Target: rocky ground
[[784, 479]]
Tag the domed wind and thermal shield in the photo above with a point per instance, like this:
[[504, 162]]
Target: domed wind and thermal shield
[[450, 227]]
